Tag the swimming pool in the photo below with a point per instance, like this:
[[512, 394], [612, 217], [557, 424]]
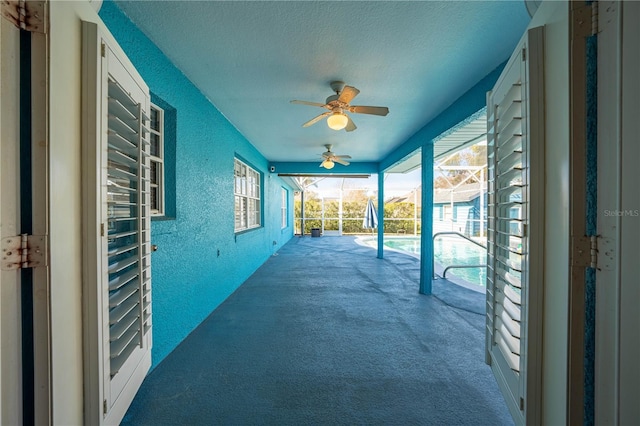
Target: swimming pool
[[447, 251]]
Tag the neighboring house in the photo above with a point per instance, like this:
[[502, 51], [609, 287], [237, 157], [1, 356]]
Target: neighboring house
[[231, 213], [459, 209], [413, 197]]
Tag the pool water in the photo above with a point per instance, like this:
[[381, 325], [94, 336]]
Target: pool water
[[447, 251], [452, 251]]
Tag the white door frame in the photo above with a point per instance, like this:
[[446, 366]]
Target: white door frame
[[10, 312], [617, 372], [40, 224], [11, 342]]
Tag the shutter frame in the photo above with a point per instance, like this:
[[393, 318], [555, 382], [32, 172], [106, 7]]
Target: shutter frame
[[515, 139], [116, 228]]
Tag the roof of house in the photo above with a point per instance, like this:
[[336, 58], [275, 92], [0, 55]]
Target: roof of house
[[409, 197], [461, 194]]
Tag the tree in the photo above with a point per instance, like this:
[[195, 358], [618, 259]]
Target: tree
[[474, 156], [312, 209], [399, 217]]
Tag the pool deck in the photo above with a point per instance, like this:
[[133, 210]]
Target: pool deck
[[324, 333]]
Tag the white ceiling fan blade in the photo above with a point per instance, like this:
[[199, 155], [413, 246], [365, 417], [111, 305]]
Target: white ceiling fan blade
[[343, 156], [350, 125], [347, 94], [316, 119], [341, 161], [307, 103], [369, 110]]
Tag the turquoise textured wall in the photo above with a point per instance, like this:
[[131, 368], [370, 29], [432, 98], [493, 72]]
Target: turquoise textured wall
[[200, 260]]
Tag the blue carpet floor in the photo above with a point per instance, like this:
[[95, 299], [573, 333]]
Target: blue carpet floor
[[324, 333]]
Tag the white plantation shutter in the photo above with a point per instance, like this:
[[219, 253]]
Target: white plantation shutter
[[515, 210], [117, 268], [507, 212]]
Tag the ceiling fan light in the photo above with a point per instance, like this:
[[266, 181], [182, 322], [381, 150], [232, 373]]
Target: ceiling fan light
[[337, 121], [328, 164]]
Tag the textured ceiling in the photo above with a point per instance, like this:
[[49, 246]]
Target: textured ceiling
[[251, 58]]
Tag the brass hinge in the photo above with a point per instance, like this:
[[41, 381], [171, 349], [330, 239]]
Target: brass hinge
[[602, 253], [23, 251], [592, 252], [581, 251], [27, 15], [105, 409], [585, 20], [524, 54], [103, 50]]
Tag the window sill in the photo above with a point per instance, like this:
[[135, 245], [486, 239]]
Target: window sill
[[162, 218], [244, 231]]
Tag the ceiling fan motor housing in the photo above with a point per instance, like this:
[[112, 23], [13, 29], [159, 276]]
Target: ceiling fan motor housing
[[337, 87], [332, 98]]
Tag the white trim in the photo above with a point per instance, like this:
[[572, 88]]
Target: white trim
[[116, 206], [159, 160], [247, 195], [10, 281], [40, 226], [515, 352], [10, 354], [630, 220], [617, 372], [607, 377], [536, 130], [284, 210]]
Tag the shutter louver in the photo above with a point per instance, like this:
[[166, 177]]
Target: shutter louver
[[506, 186], [507, 153], [116, 228], [515, 184], [127, 188]]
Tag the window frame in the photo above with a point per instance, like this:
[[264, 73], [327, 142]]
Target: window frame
[[247, 191], [158, 210], [284, 208]]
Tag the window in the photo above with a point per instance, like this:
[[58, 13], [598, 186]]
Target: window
[[156, 158], [284, 208], [247, 197], [447, 213], [437, 212], [167, 127]]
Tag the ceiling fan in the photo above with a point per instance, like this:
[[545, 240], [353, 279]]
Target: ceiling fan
[[338, 105], [331, 158]]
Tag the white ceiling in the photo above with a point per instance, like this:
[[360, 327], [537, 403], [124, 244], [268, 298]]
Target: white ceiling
[[251, 58]]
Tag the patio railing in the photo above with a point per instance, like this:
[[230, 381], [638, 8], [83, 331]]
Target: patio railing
[[457, 234]]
